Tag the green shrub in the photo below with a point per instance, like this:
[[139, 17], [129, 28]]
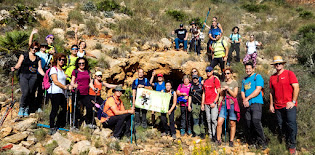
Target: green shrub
[[299, 9], [14, 41], [40, 134], [117, 53], [98, 46], [75, 16], [59, 24], [102, 63], [306, 14], [306, 48], [89, 6], [50, 147], [178, 15], [20, 16], [112, 5], [198, 21], [70, 34], [255, 7], [91, 28]]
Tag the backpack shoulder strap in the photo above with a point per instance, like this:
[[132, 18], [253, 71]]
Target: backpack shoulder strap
[[231, 36], [136, 82], [76, 73], [69, 60]]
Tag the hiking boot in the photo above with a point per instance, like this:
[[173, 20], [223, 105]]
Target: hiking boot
[[231, 144], [214, 139], [174, 136], [193, 135], [264, 147], [252, 146], [21, 112], [39, 110], [292, 151], [202, 136], [26, 112], [185, 50], [52, 131], [91, 126], [182, 132], [144, 125], [163, 134], [177, 49], [219, 142]]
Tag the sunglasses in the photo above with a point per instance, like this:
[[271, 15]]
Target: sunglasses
[[36, 49], [194, 71], [208, 71], [278, 64], [99, 76], [81, 63], [227, 73], [60, 59], [51, 38], [74, 48]]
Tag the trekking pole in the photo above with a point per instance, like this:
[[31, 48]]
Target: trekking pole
[[67, 101], [93, 119], [12, 85], [225, 110], [132, 126], [10, 107], [45, 97], [206, 19], [75, 105], [70, 108]]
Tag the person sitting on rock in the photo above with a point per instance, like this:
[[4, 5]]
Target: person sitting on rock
[[251, 50], [195, 43], [182, 36], [118, 118], [82, 46]]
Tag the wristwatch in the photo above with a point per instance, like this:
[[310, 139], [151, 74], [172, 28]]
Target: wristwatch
[[294, 102]]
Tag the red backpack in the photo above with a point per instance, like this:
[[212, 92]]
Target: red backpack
[[46, 81]]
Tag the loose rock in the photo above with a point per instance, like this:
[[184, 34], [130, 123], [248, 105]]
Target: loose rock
[[60, 151], [62, 142], [80, 147], [22, 126], [95, 151], [16, 138], [17, 149]]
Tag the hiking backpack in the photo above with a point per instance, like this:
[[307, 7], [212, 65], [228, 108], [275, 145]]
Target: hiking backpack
[[100, 112], [46, 80], [137, 82], [238, 36], [262, 89]]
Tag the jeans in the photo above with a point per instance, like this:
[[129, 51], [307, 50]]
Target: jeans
[[195, 45], [120, 124], [177, 41], [172, 122], [288, 118], [230, 112], [143, 117], [253, 119], [212, 115], [27, 85], [236, 47], [56, 101], [185, 118], [198, 119]]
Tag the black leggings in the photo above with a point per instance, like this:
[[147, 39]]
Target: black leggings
[[56, 101], [82, 101], [172, 122], [120, 124], [217, 61]]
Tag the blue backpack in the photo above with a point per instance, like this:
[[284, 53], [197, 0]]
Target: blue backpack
[[137, 81], [100, 112]]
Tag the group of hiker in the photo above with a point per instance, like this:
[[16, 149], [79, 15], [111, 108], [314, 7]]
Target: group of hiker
[[67, 78], [217, 47]]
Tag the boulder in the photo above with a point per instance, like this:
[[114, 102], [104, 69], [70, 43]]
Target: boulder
[[61, 151], [16, 138], [27, 144], [5, 132], [3, 97], [73, 137], [166, 43], [146, 46], [17, 149], [22, 126], [95, 151], [62, 142], [47, 15], [81, 146], [60, 33], [4, 14], [97, 53]]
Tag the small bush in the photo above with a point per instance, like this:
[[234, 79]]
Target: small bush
[[117, 53], [255, 7], [178, 15], [306, 14], [299, 9], [75, 16], [59, 24], [112, 5], [70, 34], [50, 147], [91, 28], [108, 14], [14, 42], [114, 145], [40, 134], [198, 21], [102, 63], [306, 48], [89, 6], [98, 46]]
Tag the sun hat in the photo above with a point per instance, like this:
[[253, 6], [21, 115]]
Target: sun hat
[[277, 59], [119, 88], [98, 73]]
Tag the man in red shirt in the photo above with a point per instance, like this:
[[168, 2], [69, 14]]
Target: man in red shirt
[[210, 98], [284, 91]]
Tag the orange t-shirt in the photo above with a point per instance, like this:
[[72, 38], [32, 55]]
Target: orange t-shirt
[[112, 102], [99, 86]]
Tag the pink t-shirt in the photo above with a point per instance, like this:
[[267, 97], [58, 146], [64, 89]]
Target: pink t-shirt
[[83, 81], [184, 89]]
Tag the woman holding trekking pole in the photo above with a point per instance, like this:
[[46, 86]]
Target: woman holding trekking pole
[[229, 106], [80, 80], [29, 64], [57, 90]]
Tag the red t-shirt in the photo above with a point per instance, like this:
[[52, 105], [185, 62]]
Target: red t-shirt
[[210, 87], [282, 86]]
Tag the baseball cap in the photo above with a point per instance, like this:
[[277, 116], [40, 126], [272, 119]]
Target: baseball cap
[[195, 77], [159, 75], [98, 73], [181, 25], [209, 69]]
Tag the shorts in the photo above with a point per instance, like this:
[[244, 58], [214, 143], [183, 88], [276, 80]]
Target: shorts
[[230, 112]]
